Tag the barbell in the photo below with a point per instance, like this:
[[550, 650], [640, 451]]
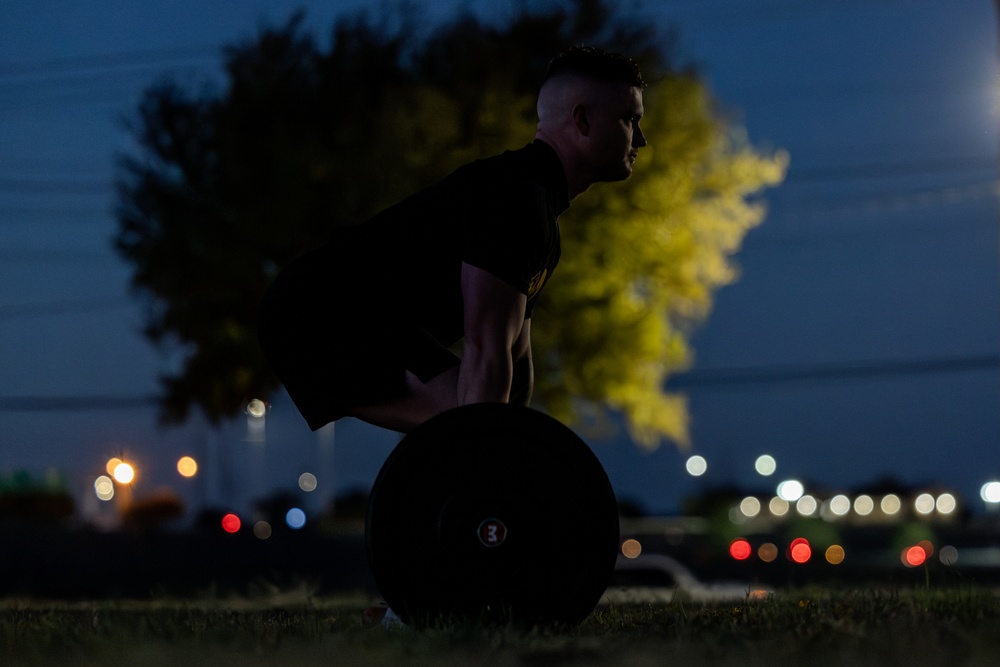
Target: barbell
[[492, 513]]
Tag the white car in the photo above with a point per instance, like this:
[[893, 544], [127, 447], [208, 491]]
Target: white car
[[658, 578]]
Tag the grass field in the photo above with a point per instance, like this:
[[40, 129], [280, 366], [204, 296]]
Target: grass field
[[291, 628]]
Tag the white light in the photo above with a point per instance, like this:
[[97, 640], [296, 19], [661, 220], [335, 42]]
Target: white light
[[104, 488], [778, 506], [307, 482], [696, 466], [256, 408], [124, 473], [790, 490], [990, 492], [891, 504], [946, 503], [750, 506], [924, 504], [840, 505], [765, 465], [864, 505], [948, 555], [806, 505]]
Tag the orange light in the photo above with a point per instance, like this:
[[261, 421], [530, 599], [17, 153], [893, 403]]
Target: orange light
[[768, 552], [631, 548], [231, 523], [112, 463], [187, 466], [740, 549], [799, 550], [835, 554], [913, 556]]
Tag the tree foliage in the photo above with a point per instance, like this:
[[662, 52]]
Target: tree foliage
[[229, 185]]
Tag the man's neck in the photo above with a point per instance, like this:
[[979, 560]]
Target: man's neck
[[575, 180]]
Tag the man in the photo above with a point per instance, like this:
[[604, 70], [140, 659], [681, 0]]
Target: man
[[362, 326]]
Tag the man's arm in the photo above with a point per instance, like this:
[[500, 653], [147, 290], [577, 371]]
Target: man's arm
[[524, 372], [494, 321]]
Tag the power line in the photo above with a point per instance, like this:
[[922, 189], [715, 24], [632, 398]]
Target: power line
[[854, 172], [866, 370], [690, 380], [100, 63], [8, 312], [49, 186], [74, 403]]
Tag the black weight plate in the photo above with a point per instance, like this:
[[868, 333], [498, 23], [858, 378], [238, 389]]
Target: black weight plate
[[492, 512]]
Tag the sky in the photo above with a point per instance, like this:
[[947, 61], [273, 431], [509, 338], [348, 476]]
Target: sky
[[861, 340]]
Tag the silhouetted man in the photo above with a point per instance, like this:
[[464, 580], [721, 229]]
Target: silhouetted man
[[362, 326]]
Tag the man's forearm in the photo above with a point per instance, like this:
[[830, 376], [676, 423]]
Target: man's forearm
[[485, 378], [523, 381]]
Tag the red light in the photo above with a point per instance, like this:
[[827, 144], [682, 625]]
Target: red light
[[231, 523], [927, 546], [799, 550], [914, 556], [740, 549]]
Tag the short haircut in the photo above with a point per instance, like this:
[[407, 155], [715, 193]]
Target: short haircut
[[597, 65]]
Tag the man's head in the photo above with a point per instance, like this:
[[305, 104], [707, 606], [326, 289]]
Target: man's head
[[589, 107]]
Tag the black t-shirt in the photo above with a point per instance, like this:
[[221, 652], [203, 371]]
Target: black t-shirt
[[498, 214]]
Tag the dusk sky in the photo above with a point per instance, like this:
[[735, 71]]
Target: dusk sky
[[862, 339]]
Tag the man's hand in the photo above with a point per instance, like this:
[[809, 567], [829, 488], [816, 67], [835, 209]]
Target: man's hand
[[494, 321]]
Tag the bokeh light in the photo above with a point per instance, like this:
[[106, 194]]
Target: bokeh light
[[112, 463], [840, 505], [262, 530], [864, 505], [295, 518], [990, 492], [104, 488], [913, 556], [778, 506], [946, 503], [806, 505], [800, 551], [927, 546], [948, 555], [765, 465], [924, 504], [790, 490], [631, 548], [256, 408], [835, 554], [231, 523], [768, 552], [740, 549], [696, 466], [187, 466], [750, 506], [124, 473], [307, 482], [891, 504]]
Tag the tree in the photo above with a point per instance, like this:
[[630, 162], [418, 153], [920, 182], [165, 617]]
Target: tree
[[231, 185]]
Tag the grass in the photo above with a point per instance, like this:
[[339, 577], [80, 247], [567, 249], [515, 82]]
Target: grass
[[290, 628]]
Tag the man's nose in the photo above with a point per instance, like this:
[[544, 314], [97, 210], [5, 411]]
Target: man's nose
[[638, 138]]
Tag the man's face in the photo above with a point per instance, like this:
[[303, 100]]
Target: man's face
[[615, 133]]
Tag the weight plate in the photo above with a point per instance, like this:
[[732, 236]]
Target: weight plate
[[496, 513]]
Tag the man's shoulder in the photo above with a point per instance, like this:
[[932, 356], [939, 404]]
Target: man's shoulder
[[530, 174]]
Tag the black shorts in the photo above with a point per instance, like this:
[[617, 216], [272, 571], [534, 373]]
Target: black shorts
[[334, 358]]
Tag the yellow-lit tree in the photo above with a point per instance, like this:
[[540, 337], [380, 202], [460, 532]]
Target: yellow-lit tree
[[641, 262]]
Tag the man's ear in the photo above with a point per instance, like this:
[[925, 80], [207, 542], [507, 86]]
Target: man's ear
[[580, 120]]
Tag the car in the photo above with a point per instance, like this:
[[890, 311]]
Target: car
[[659, 578]]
